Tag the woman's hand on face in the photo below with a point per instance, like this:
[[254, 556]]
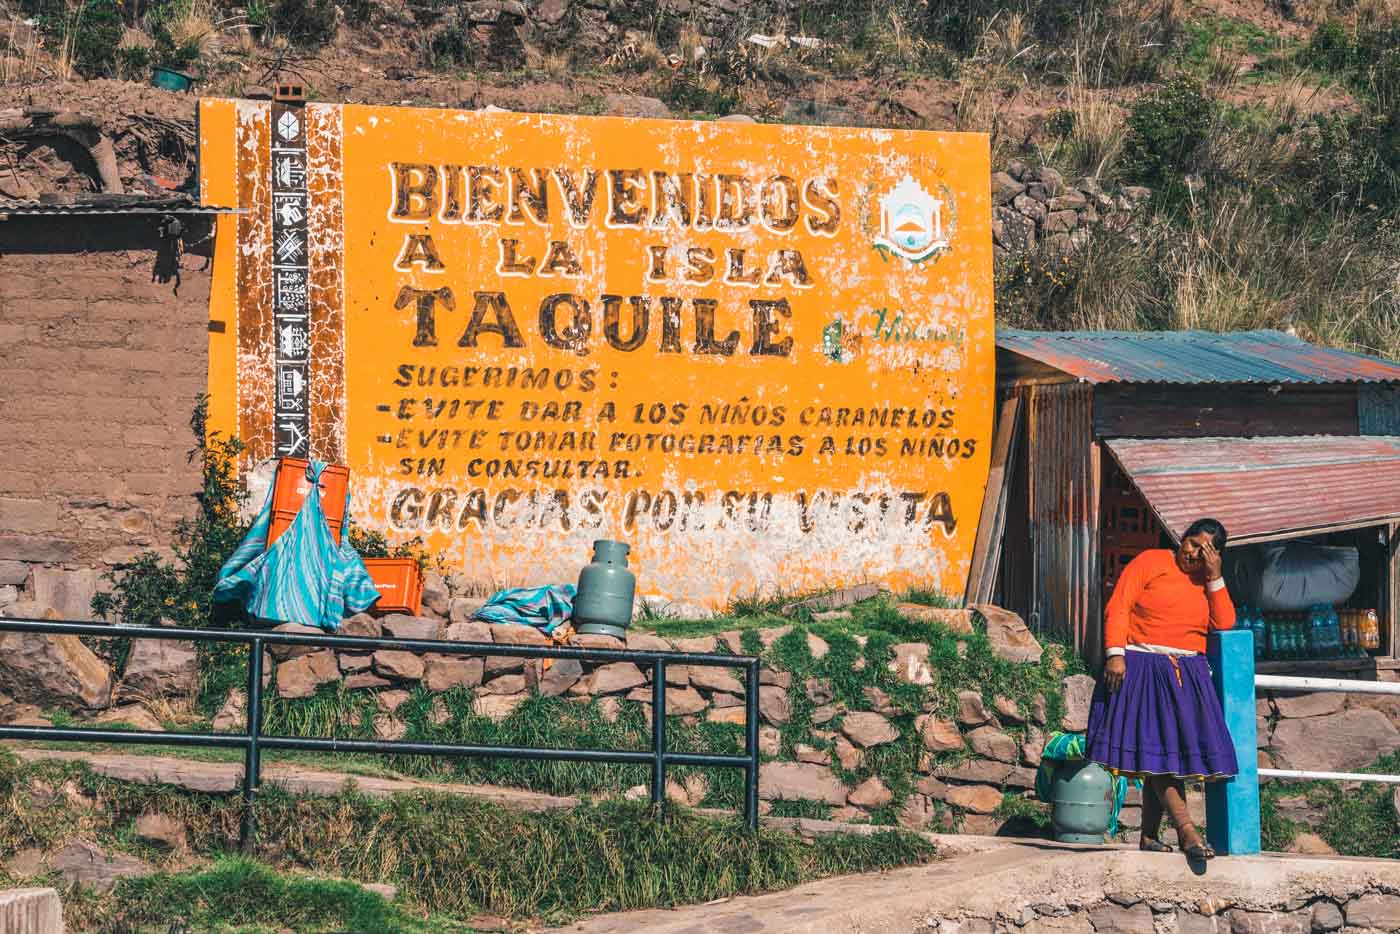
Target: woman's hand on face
[[1210, 557], [1113, 671]]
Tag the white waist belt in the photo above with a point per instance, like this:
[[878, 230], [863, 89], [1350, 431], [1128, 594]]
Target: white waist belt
[[1162, 650]]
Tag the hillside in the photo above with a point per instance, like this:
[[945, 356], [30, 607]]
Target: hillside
[[1268, 134]]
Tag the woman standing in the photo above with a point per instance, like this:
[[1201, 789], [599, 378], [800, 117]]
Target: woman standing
[[1155, 715]]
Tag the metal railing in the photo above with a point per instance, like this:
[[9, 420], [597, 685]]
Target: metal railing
[[1329, 685], [252, 741]]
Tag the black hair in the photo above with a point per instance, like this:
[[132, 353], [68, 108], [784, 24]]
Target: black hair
[[1211, 527]]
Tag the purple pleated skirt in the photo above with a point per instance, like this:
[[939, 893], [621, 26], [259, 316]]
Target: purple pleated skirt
[[1164, 720]]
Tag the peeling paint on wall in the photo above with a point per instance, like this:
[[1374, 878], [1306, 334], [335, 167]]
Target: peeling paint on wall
[[762, 355]]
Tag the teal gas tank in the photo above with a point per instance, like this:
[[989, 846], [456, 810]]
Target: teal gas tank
[[606, 588], [1081, 801]]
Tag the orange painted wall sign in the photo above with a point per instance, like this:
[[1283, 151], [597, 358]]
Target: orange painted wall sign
[[762, 355]]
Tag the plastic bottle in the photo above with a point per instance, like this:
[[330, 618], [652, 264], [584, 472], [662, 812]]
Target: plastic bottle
[[1372, 631], [1316, 629], [1334, 633], [1261, 636]]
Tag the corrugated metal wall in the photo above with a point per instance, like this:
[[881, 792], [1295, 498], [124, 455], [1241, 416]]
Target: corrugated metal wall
[[1064, 480], [1378, 409]]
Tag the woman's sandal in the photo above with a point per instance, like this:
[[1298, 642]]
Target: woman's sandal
[[1200, 852], [1154, 846]]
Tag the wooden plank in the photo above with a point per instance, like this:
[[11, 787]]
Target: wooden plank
[[1223, 412], [1390, 618], [991, 526]]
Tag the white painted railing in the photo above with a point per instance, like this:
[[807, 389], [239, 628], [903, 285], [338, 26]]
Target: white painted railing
[[1334, 685]]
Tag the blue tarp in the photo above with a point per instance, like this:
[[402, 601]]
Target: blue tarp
[[542, 607], [305, 577]]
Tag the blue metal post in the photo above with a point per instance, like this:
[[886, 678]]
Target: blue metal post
[[1232, 807]]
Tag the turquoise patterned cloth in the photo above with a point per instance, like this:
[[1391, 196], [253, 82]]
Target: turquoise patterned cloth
[[542, 607], [305, 577]]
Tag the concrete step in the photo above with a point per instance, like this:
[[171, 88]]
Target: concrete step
[[30, 911]]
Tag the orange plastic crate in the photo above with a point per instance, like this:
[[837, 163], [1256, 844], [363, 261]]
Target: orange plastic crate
[[289, 491], [400, 584]]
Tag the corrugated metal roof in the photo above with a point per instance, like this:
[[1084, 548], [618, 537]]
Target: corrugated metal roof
[[109, 204], [1194, 357], [1266, 488]]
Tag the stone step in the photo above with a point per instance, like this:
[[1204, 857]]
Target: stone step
[[30, 911]]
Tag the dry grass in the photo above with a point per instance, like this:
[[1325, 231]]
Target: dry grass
[[195, 26]]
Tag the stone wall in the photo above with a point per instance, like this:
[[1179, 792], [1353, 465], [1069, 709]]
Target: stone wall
[[103, 365], [1037, 209]]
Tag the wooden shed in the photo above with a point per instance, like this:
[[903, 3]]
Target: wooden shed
[[1112, 442]]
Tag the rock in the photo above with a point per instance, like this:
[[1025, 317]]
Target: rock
[[734, 715], [1355, 739], [1007, 709], [436, 595], [517, 634], [397, 665], [959, 622], [713, 678], [233, 715], [916, 813], [616, 678], [281, 652], [444, 672], [1011, 640], [849, 755], [1078, 693], [360, 626], [941, 735], [1325, 917], [1299, 706], [1034, 745], [161, 668], [817, 646], [389, 728], [993, 744], [979, 799], [1029, 208], [682, 702], [302, 675], [497, 706], [732, 640], [88, 865], [1053, 181], [770, 741], [780, 679], [836, 600], [29, 861], [462, 609], [646, 642], [563, 674], [931, 787], [1135, 194], [350, 663], [13, 573], [1268, 922], [800, 781], [773, 705], [503, 664], [1004, 188], [1013, 231], [976, 770], [399, 626], [910, 663], [390, 701], [726, 700], [51, 671], [596, 640], [365, 679], [867, 729], [69, 593], [818, 690], [1020, 778], [1040, 710], [1060, 222], [469, 632], [705, 645], [1374, 911], [633, 105], [804, 753], [1071, 200], [870, 793], [971, 710], [1109, 918], [161, 830], [505, 684], [827, 712], [766, 637], [609, 708], [438, 713], [1310, 844], [132, 715]]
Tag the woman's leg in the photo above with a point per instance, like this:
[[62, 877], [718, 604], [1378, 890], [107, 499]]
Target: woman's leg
[[1173, 795], [1151, 812]]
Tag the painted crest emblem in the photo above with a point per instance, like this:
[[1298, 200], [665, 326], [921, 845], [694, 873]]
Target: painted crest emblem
[[911, 222]]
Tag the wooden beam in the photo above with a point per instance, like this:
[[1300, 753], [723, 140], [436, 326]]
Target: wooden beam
[[1390, 613], [991, 525]]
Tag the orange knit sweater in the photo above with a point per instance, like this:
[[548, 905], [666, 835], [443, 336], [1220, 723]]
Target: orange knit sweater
[[1156, 603]]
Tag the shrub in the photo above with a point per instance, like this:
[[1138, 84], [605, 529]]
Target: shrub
[[307, 23], [87, 33], [451, 45], [1166, 132]]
